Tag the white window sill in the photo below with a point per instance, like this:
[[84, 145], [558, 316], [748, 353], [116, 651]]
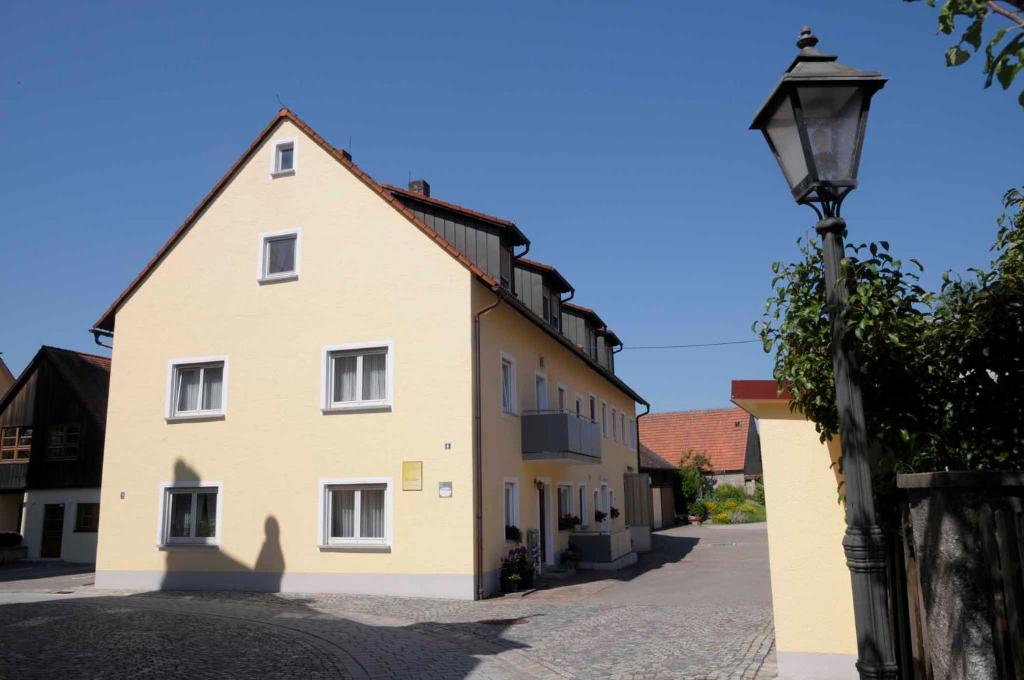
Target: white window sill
[[511, 414], [356, 407], [354, 547], [282, 173], [176, 546], [278, 278], [192, 417]]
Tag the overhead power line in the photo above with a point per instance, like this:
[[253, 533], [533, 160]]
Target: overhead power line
[[699, 344]]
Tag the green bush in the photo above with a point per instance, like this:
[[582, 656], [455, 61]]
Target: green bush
[[722, 518], [712, 506], [726, 492], [698, 509], [730, 504], [759, 491]]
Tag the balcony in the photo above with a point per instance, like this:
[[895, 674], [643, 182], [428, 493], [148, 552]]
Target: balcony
[[558, 436]]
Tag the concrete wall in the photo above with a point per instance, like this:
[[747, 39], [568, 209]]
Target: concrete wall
[[76, 546], [366, 274], [811, 593]]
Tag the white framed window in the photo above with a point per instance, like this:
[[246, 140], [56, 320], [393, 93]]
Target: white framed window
[[597, 503], [564, 500], [615, 424], [622, 427], [593, 408], [510, 502], [355, 513], [285, 158], [190, 513], [280, 253], [581, 493], [632, 434], [197, 388], [604, 419], [358, 376], [540, 388], [563, 399], [579, 405], [509, 392]]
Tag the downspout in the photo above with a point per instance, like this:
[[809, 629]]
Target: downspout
[[97, 332], [478, 486], [647, 410]]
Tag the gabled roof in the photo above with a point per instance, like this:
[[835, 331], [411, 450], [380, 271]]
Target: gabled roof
[[580, 310], [561, 284], [88, 376], [517, 237], [6, 377], [719, 434], [649, 460], [106, 321]]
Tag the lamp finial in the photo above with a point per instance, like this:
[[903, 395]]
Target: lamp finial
[[807, 38]]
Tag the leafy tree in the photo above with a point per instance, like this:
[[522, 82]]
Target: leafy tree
[[693, 481], [942, 373], [1004, 51]]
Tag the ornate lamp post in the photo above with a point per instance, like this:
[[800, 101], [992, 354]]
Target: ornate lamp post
[[814, 122]]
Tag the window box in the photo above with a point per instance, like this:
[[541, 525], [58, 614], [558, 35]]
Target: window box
[[355, 514], [87, 517], [197, 389], [15, 444], [509, 389], [280, 253], [285, 158], [190, 514], [358, 377]]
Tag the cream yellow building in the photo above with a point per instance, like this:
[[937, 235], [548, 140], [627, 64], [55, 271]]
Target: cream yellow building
[[321, 383], [812, 596]]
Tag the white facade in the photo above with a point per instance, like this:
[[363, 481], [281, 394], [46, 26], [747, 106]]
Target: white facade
[[76, 546]]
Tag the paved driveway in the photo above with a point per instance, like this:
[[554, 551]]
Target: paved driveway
[[698, 606]]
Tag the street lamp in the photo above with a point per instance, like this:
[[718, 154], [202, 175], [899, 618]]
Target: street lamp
[[814, 122]]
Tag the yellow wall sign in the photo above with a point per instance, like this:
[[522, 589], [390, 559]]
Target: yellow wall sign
[[412, 475]]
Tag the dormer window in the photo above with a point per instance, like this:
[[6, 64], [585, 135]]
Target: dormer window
[[283, 162], [279, 256]]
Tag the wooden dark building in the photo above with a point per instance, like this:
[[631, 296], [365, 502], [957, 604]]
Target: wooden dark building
[[52, 426]]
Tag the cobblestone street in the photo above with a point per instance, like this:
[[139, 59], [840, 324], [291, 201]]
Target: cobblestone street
[[697, 607]]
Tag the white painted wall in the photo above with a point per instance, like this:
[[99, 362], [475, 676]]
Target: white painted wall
[[76, 546]]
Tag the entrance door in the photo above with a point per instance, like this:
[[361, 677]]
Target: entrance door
[[53, 530]]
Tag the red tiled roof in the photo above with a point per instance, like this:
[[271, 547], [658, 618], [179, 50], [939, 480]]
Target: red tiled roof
[[719, 434], [650, 460], [454, 207]]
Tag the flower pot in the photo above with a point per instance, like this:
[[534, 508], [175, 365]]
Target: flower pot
[[510, 585]]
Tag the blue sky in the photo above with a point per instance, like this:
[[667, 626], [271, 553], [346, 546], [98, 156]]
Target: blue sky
[[615, 135]]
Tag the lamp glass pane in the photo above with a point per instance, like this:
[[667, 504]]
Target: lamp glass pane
[[831, 115], [782, 131]]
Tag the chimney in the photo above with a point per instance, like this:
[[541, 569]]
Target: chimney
[[419, 186]]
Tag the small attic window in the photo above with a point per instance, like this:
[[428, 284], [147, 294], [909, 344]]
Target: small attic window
[[283, 162]]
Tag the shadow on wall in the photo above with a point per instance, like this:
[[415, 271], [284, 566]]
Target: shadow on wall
[[205, 567]]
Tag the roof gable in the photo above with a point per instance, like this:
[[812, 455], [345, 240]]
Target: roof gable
[[87, 376], [106, 321], [719, 434]]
